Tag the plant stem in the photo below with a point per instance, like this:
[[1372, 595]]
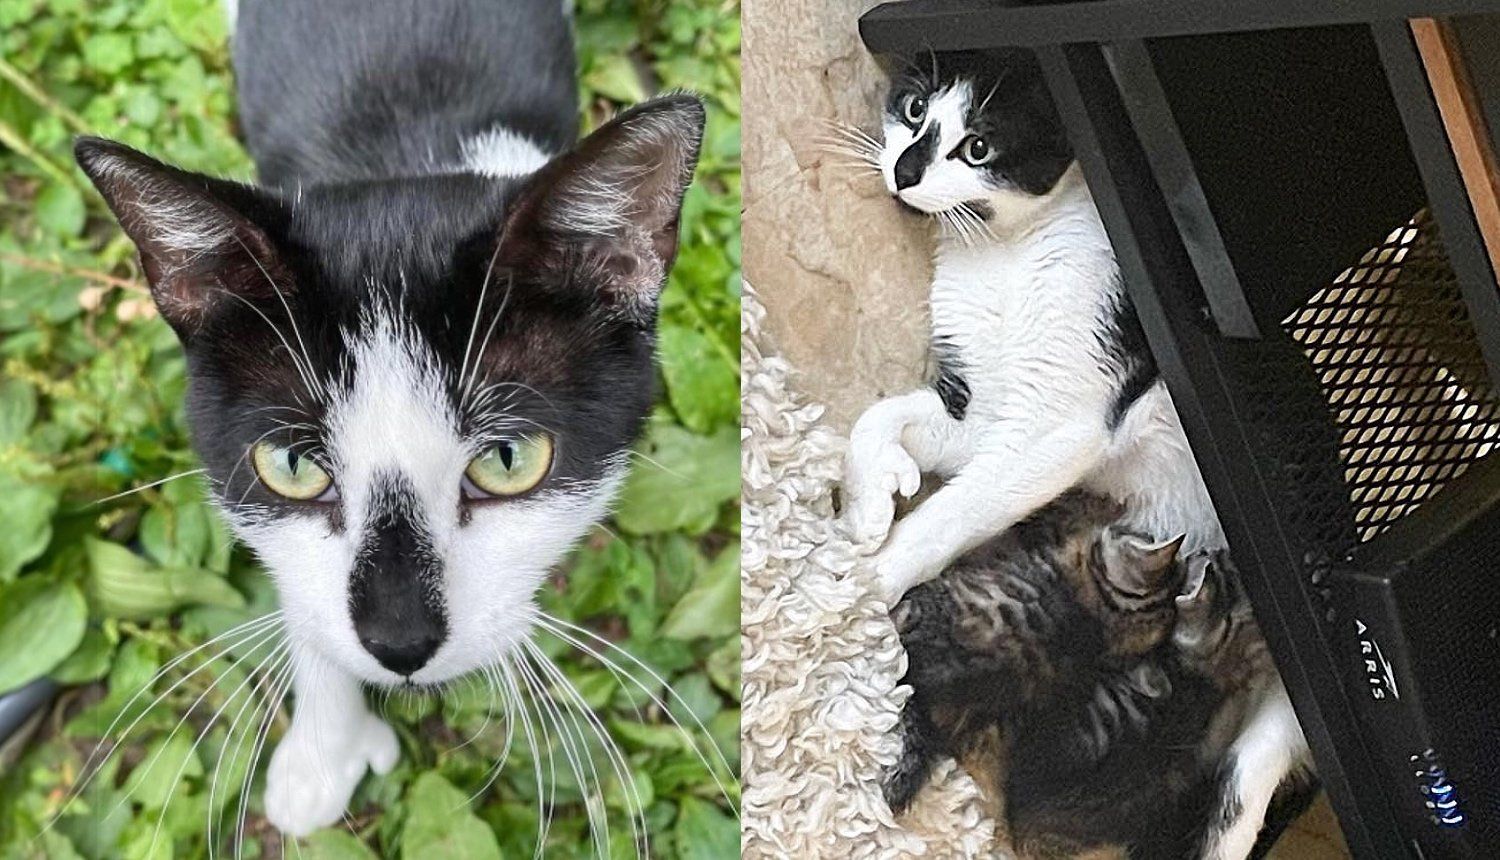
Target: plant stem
[[75, 271], [13, 139], [38, 95]]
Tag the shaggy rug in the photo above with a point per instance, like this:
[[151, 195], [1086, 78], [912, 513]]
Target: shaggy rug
[[821, 657]]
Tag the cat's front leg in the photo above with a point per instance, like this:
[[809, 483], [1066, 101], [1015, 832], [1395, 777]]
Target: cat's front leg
[[333, 740], [1010, 476], [878, 463]]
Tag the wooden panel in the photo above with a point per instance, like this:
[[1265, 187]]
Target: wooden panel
[[1463, 118]]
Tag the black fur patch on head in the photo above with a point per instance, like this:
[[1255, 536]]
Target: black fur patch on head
[[1011, 109]]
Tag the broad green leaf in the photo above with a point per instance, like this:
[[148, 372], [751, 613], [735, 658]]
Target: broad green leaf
[[439, 824], [614, 76], [108, 52], [26, 510], [88, 662], [41, 622], [17, 409], [702, 381], [332, 845], [125, 585], [705, 832], [59, 208], [712, 606], [681, 481], [168, 761]]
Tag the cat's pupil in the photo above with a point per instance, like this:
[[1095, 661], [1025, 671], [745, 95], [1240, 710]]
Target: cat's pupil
[[291, 461], [507, 455]]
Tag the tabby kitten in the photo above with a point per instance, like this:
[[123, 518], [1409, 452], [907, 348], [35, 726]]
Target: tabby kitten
[[1036, 621], [1118, 674]]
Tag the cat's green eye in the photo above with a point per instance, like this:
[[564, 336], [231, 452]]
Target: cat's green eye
[[511, 466], [289, 474]]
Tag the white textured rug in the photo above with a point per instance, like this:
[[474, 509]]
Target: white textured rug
[[821, 657]]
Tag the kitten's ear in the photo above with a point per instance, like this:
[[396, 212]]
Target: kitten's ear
[[195, 241], [613, 201], [1137, 564], [1195, 605]]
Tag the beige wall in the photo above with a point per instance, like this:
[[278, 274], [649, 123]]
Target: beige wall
[[843, 274]]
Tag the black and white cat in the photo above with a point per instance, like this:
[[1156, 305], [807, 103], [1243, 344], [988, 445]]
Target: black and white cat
[[1044, 379], [418, 353]]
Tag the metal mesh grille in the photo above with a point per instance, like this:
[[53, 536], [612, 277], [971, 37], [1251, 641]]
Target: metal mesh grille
[[1399, 366]]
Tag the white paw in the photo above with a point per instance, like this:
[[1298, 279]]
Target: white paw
[[876, 471], [309, 784]]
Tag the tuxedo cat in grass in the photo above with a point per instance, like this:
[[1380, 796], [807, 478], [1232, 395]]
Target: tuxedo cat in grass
[[1044, 381], [1114, 668], [418, 352]]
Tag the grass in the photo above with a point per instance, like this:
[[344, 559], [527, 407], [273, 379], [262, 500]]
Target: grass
[[101, 596]]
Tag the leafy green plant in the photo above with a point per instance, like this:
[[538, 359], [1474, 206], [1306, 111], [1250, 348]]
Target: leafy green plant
[[107, 577]]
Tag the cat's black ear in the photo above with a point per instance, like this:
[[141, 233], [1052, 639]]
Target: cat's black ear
[[613, 202], [197, 246]]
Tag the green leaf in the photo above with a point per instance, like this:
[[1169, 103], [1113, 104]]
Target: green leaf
[[26, 510], [17, 409], [702, 382], [684, 481], [705, 832], [712, 606], [41, 622], [167, 763], [88, 662], [614, 76], [60, 209], [108, 52], [439, 824], [333, 845], [125, 585]]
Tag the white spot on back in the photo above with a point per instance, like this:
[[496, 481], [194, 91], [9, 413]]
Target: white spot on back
[[501, 152]]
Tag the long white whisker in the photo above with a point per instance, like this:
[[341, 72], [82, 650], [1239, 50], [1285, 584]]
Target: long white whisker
[[245, 631], [555, 626], [145, 487], [622, 771]]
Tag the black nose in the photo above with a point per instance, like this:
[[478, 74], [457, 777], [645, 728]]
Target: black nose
[[913, 162], [401, 653]]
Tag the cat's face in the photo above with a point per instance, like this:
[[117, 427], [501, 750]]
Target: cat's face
[[412, 397], [975, 132]]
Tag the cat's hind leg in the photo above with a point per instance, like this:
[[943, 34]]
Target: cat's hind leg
[[920, 748], [332, 741], [1270, 749]]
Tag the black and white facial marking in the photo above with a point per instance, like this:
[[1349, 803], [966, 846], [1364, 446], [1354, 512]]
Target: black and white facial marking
[[972, 135], [414, 395]]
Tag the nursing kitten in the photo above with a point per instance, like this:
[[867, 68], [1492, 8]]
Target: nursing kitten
[[1032, 622], [1115, 672], [418, 354], [1044, 381]]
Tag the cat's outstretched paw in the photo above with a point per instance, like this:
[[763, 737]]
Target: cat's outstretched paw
[[311, 779], [874, 473]]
